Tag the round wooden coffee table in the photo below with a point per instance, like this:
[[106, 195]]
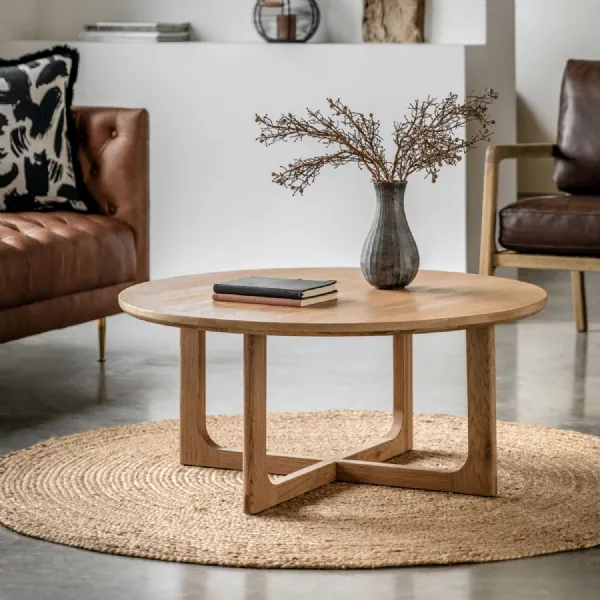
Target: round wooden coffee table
[[436, 301]]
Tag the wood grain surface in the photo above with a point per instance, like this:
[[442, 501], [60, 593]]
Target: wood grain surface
[[436, 301]]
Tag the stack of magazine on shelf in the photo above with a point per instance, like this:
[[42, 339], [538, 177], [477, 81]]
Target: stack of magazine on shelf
[[121, 31], [277, 292]]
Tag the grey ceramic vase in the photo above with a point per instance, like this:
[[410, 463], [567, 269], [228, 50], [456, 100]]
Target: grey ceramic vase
[[390, 257]]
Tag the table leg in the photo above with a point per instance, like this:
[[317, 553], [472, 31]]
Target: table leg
[[302, 474], [256, 478], [402, 425], [478, 475], [259, 492], [196, 446], [480, 471], [400, 437]]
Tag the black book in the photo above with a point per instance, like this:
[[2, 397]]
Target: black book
[[272, 287]]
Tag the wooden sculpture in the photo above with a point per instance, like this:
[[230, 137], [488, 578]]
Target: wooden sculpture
[[400, 21]]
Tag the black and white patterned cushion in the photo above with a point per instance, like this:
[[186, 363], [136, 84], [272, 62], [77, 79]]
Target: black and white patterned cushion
[[38, 170]]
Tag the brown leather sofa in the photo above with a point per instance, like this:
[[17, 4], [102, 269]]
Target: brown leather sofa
[[63, 268], [559, 231]]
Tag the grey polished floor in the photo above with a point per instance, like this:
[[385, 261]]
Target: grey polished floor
[[51, 385]]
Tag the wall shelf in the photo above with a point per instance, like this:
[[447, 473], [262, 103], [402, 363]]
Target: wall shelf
[[202, 97], [274, 47], [458, 22]]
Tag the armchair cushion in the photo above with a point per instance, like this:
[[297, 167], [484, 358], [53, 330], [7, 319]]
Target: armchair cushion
[[559, 225], [49, 255]]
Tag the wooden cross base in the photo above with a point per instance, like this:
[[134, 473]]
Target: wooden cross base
[[364, 465]]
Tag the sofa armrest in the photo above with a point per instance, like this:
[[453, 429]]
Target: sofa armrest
[[114, 156]]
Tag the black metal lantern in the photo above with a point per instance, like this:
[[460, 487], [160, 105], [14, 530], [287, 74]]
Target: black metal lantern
[[294, 21]]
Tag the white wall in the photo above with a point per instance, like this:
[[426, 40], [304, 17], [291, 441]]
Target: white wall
[[211, 180], [549, 32], [492, 66], [18, 19], [455, 21], [213, 203], [447, 21]]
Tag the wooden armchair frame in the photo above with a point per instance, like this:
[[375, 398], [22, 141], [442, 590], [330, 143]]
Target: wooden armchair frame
[[492, 257]]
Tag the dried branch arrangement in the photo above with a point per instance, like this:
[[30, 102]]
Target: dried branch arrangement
[[425, 139]]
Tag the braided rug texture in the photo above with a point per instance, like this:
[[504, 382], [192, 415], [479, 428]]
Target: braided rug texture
[[122, 491]]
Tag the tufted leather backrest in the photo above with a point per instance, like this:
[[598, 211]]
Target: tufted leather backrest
[[577, 166], [114, 157]]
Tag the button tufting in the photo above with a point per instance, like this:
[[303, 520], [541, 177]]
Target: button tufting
[[114, 133], [112, 209], [94, 171], [41, 258]]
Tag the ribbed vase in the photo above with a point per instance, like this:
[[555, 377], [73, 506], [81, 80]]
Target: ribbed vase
[[390, 257]]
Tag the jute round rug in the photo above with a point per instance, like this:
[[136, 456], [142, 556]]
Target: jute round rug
[[122, 491]]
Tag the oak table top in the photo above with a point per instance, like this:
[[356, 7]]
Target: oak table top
[[435, 301]]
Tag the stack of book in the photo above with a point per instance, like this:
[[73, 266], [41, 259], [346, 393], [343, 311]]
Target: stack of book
[[277, 292], [120, 31]]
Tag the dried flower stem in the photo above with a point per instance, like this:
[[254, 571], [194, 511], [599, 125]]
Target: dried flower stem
[[425, 140]]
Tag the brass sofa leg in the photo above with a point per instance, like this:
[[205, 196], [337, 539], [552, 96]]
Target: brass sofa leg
[[102, 340], [579, 300]]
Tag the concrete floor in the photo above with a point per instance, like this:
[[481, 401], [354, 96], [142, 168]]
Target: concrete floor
[[51, 385]]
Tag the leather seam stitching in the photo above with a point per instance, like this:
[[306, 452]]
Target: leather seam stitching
[[129, 282], [549, 246], [548, 212]]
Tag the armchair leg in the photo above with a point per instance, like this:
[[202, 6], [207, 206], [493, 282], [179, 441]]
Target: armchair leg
[[579, 300], [488, 215], [102, 340]]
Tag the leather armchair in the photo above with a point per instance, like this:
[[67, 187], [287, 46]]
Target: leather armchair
[[59, 269], [559, 231]]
